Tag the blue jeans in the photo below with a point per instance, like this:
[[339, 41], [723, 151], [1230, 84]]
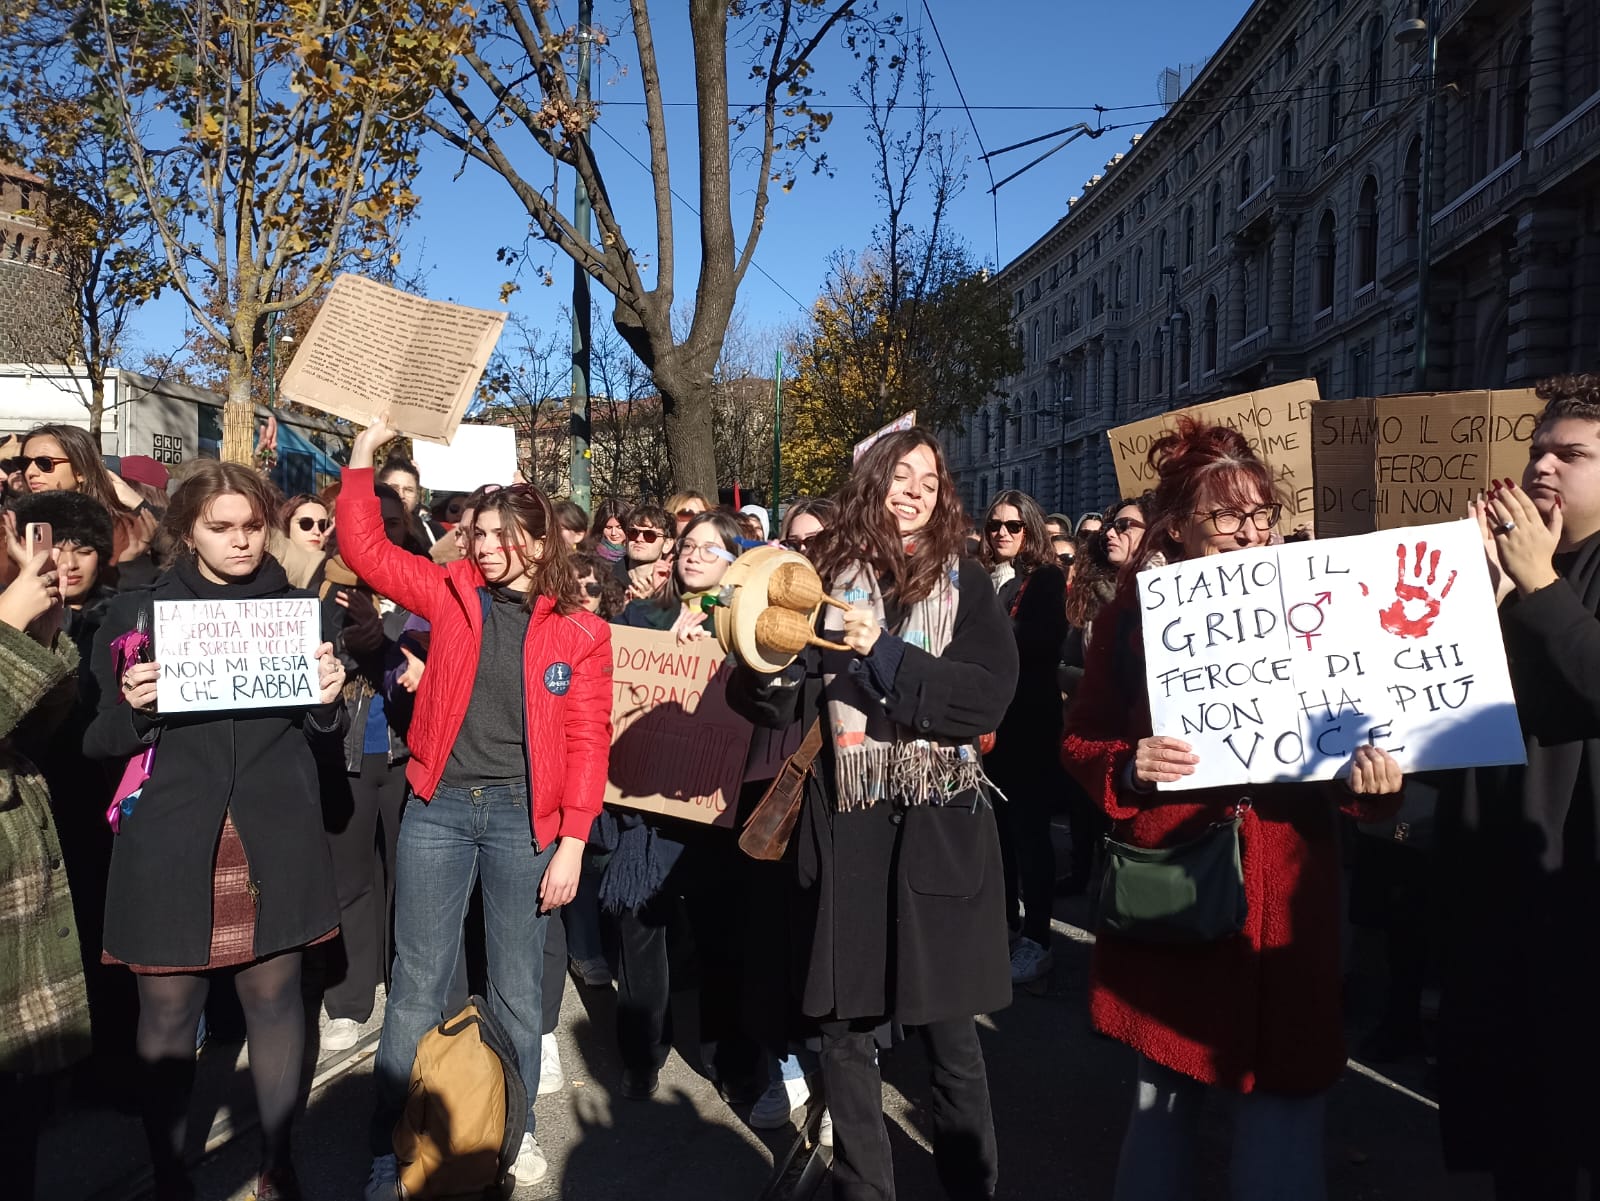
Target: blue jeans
[[462, 835]]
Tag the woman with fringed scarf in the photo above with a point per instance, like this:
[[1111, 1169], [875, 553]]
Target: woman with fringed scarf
[[896, 852]]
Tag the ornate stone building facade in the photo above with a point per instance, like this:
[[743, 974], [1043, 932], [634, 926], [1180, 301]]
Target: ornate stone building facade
[[1267, 228], [37, 322]]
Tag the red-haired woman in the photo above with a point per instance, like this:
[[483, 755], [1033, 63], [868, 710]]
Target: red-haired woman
[[509, 739], [896, 847], [222, 865], [1026, 759], [1258, 1013]]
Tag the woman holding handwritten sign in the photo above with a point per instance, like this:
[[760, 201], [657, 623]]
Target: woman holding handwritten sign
[[222, 863], [896, 849], [509, 738], [1254, 1011]]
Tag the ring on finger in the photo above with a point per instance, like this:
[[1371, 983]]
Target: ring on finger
[[1505, 527]]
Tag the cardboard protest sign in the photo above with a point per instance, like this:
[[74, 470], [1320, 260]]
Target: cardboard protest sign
[[1277, 422], [237, 654], [373, 349], [1392, 461], [1276, 663], [477, 455], [904, 422], [676, 747]]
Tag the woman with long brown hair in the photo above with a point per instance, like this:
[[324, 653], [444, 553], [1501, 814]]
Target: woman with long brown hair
[[222, 864], [509, 738], [896, 850], [1254, 1013], [1026, 759], [66, 458]]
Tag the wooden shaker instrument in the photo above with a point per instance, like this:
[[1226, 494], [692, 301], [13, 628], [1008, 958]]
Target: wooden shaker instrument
[[797, 587], [788, 632]]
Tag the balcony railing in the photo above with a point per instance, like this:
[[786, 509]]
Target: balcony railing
[[1462, 216]]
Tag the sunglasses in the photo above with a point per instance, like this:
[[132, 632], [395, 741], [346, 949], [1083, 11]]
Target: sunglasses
[[645, 536], [1011, 527], [798, 545], [592, 587], [1123, 524], [20, 463], [320, 524], [690, 512]]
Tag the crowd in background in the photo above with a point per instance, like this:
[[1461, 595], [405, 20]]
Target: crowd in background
[[378, 841]]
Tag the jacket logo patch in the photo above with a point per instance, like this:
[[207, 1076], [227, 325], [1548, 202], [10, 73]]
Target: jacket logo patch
[[557, 679]]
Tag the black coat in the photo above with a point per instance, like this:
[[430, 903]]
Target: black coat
[[1027, 748], [1519, 895], [904, 906], [255, 763]]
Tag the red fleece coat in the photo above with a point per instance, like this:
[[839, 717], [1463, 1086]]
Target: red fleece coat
[[566, 715], [1258, 1010]]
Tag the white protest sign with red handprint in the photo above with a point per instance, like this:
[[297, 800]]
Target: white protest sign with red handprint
[[1276, 663]]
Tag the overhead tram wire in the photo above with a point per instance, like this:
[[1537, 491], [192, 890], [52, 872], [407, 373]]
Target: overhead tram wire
[[994, 200]]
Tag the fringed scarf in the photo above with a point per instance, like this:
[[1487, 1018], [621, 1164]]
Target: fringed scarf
[[875, 759]]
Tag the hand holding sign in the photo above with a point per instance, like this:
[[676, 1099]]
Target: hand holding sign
[[330, 673], [1162, 760], [368, 441], [139, 686], [1374, 772]]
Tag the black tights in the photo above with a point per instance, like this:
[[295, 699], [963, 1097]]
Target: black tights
[[275, 1022]]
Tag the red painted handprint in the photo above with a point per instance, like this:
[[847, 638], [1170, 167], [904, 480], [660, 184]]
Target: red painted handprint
[[1415, 607]]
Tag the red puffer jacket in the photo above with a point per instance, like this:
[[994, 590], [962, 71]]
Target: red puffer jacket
[[1261, 1009], [566, 714]]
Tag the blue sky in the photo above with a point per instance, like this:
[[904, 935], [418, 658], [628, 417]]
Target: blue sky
[[1023, 68]]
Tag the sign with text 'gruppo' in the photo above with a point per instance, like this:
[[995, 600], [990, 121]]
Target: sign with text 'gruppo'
[[237, 654], [1276, 663]]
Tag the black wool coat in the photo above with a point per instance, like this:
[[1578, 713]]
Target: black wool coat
[[255, 763], [902, 908], [1519, 896], [1027, 749]]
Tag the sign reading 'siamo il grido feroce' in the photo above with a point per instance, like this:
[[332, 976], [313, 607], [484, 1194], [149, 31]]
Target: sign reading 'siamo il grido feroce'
[[1276, 663], [237, 654]]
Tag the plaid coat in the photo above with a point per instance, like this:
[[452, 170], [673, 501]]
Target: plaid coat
[[44, 1011]]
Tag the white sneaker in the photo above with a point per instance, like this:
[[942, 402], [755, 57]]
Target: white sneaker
[[825, 1130], [531, 1164], [383, 1181], [1030, 962], [596, 973], [780, 1100], [550, 1078], [340, 1034]]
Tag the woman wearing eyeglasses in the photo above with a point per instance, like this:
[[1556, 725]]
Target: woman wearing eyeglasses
[[510, 738], [1256, 1014], [897, 859], [656, 861], [1025, 763], [65, 458]]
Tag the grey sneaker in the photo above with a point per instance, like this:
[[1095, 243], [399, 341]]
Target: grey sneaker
[[383, 1181], [1030, 961]]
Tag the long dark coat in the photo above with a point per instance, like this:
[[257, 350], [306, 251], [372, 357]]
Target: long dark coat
[[903, 907], [1519, 897], [255, 763]]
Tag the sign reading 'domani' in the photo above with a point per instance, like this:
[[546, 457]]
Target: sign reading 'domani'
[[237, 654], [1276, 663]]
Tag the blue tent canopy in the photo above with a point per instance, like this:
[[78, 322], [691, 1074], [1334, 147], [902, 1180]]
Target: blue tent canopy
[[300, 462]]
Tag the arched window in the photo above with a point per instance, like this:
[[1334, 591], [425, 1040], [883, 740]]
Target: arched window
[[1188, 236], [1216, 214], [1286, 142], [1072, 314], [1055, 323], [1326, 254], [1133, 374], [1516, 102], [1116, 286], [1375, 48], [1411, 190], [1246, 181], [1330, 116], [1097, 300], [1161, 254], [1138, 277], [1208, 335], [1367, 234], [1038, 341]]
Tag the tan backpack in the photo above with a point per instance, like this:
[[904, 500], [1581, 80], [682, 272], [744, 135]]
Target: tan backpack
[[465, 1110]]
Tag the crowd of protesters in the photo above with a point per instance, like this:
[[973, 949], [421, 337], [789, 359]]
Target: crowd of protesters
[[433, 824]]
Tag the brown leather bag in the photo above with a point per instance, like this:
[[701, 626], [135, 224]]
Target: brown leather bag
[[766, 835]]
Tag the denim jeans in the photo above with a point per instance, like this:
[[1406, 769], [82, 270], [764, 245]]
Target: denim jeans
[[1277, 1142], [462, 835]]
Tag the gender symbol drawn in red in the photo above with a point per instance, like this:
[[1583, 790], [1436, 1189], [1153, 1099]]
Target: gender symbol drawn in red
[[1415, 607]]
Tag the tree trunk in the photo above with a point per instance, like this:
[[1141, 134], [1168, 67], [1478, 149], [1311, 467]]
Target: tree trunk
[[239, 413], [97, 402], [691, 450]]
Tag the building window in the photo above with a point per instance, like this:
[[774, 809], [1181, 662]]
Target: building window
[[1330, 116], [1116, 286], [1021, 300], [1097, 303], [1072, 314], [1208, 336], [1286, 142], [1133, 374], [1246, 179], [1161, 255], [1375, 47], [1138, 277], [1055, 323], [1367, 234], [1360, 381], [1325, 262], [1180, 332], [1411, 191], [1038, 341], [1188, 236], [1516, 103], [1291, 53], [1216, 214]]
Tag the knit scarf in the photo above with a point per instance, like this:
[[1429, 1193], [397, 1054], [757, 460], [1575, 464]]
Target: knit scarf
[[610, 552], [874, 758]]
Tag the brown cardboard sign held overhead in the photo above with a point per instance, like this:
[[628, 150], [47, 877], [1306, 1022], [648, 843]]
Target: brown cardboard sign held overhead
[[1276, 421], [1391, 461]]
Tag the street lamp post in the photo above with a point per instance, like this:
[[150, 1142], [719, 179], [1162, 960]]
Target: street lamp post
[[578, 468], [1409, 32]]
